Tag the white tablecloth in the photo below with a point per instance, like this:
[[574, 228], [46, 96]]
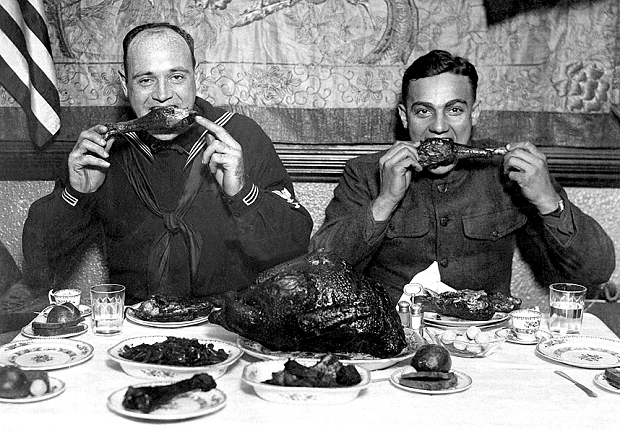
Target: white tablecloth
[[513, 389]]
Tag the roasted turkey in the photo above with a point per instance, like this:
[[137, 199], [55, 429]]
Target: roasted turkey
[[314, 303]]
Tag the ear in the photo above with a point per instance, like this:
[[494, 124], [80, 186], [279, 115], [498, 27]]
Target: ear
[[475, 113], [402, 112], [123, 80], [197, 76]]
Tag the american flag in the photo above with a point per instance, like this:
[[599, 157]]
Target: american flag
[[27, 70]]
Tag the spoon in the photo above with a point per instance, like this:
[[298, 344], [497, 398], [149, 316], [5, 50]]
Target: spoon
[[581, 386]]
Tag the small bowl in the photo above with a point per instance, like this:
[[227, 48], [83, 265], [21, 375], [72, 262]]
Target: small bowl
[[166, 372], [255, 373], [468, 348]]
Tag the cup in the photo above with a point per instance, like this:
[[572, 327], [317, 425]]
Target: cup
[[566, 303], [526, 323], [108, 306], [65, 295]]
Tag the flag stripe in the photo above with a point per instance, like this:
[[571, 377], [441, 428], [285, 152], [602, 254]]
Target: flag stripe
[[17, 34], [27, 70], [22, 95]]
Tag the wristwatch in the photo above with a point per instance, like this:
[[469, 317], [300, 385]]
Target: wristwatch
[[558, 211]]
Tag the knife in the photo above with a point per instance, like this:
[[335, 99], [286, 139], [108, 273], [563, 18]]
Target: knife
[[581, 386]]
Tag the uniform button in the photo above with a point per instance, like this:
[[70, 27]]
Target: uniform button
[[444, 262], [495, 234], [391, 227], [442, 188], [444, 221]]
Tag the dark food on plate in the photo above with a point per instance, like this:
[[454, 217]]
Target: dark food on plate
[[612, 375], [432, 364], [148, 398], [158, 119], [175, 351], [17, 383], [314, 303], [62, 319], [327, 372], [160, 308], [434, 152], [475, 305]]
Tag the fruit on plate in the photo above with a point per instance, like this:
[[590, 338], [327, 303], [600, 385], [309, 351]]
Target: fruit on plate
[[432, 358], [17, 383], [432, 365], [62, 319], [472, 340], [612, 375]]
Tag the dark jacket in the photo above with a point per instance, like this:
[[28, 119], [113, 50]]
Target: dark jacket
[[469, 221], [258, 228]]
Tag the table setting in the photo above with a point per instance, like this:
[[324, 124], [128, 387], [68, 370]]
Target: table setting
[[508, 374]]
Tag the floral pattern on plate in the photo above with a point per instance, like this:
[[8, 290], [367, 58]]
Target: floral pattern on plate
[[46, 354], [184, 406], [582, 351], [56, 387], [511, 337], [601, 381]]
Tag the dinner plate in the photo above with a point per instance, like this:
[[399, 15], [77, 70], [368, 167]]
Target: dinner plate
[[511, 337], [46, 354], [601, 381], [582, 351], [184, 406], [130, 314], [414, 341], [56, 387], [85, 310], [464, 382], [444, 321], [29, 332], [168, 372], [255, 374]]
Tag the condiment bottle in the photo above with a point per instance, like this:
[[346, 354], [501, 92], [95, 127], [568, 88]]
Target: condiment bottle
[[415, 317], [403, 312]]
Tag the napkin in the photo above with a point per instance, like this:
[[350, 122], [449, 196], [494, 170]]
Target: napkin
[[430, 279]]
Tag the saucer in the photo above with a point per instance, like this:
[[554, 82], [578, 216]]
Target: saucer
[[511, 337]]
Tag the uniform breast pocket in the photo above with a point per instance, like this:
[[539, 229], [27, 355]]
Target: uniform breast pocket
[[493, 226], [408, 227]]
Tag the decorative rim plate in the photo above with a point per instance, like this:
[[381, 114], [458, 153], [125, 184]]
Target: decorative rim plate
[[444, 321], [46, 354], [85, 310], [184, 406], [29, 332], [130, 314], [511, 337], [464, 382], [582, 351], [601, 381], [166, 372], [414, 341], [255, 373], [57, 387]]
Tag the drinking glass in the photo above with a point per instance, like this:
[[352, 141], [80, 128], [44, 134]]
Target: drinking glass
[[108, 305], [566, 302]]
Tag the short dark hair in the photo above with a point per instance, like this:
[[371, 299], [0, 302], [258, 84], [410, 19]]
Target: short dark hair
[[437, 62], [129, 37]]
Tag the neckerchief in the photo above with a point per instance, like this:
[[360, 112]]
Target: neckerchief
[[159, 255]]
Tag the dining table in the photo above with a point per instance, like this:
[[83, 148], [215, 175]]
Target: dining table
[[514, 388]]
